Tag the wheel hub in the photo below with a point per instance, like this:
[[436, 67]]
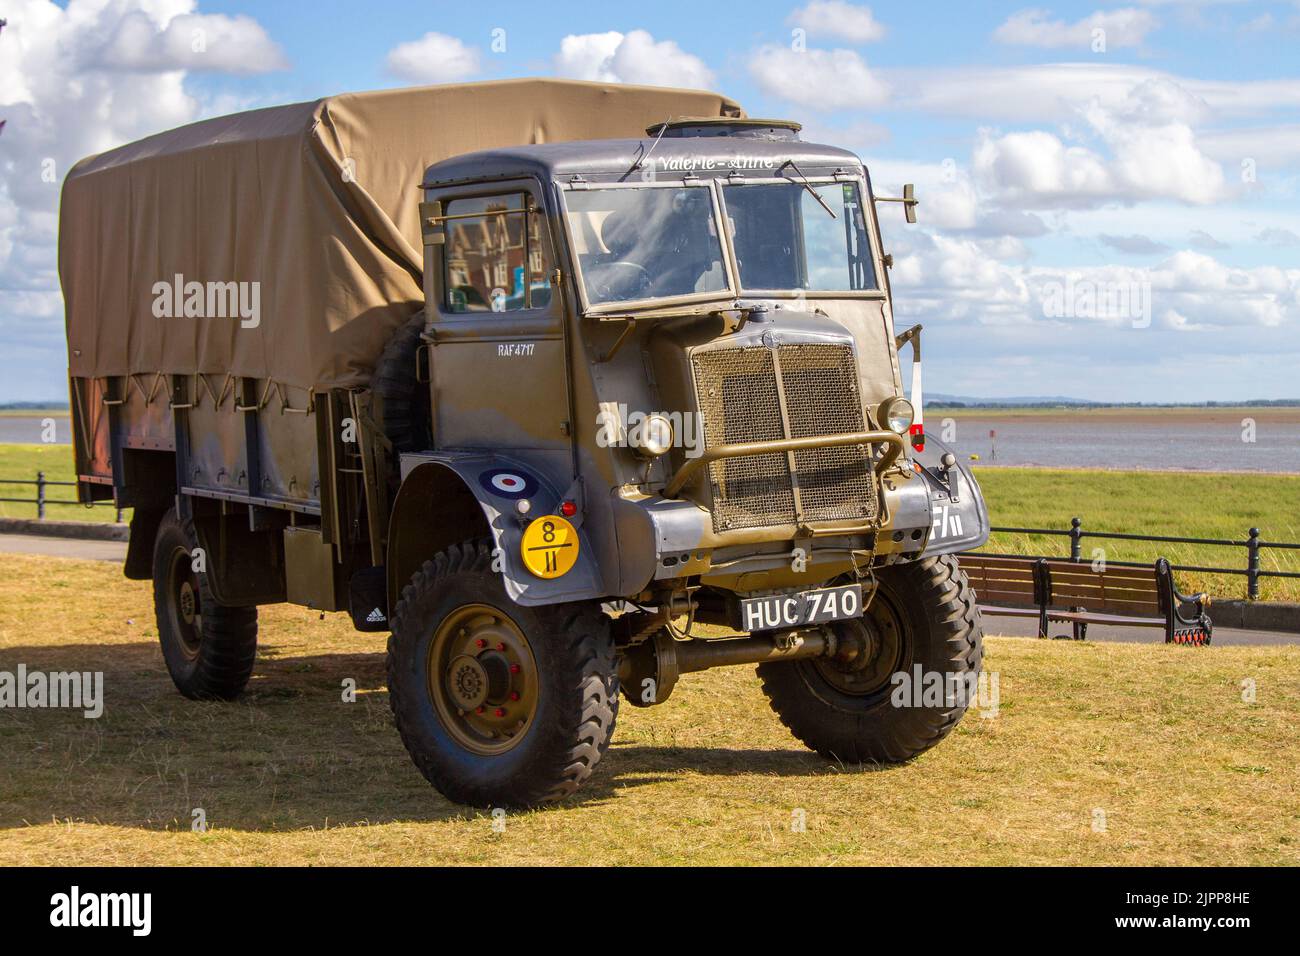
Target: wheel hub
[[482, 678], [467, 682], [186, 606], [870, 650], [187, 602]]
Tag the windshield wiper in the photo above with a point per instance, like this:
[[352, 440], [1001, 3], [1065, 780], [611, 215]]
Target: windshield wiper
[[808, 186]]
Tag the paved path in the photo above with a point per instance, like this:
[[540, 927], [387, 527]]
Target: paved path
[[1027, 627], [1017, 627], [63, 547]]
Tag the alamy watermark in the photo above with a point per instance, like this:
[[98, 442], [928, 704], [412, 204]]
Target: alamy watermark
[[38, 690], [208, 300], [1087, 299], [619, 427], [75, 908], [921, 688]]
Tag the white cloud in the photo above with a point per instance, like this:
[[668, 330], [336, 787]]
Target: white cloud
[[1202, 240], [433, 58], [1036, 168], [1138, 146], [1054, 92], [835, 18], [634, 57], [77, 80], [189, 41], [1112, 28], [817, 79], [1275, 236], [1135, 244], [960, 280]]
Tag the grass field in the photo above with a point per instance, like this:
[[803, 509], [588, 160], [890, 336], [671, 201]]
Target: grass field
[[22, 462], [1178, 504], [1158, 739]]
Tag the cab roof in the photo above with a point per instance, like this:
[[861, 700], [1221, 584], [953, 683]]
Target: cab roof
[[614, 160]]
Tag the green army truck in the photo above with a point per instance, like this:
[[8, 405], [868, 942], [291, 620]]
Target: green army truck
[[572, 388]]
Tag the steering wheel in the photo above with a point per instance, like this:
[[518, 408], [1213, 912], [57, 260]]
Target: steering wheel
[[620, 280]]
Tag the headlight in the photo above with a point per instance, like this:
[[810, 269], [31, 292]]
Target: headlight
[[652, 437], [897, 414]]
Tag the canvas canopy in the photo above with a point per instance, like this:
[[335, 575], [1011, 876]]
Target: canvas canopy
[[307, 212]]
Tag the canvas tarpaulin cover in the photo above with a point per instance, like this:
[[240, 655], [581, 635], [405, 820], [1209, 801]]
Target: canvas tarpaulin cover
[[317, 203]]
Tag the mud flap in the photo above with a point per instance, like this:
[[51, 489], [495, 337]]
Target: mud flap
[[368, 599]]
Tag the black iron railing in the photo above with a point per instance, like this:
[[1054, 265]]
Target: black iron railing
[[42, 500], [1253, 545]]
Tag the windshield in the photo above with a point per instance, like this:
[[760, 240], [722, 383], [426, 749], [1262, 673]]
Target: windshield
[[786, 239], [645, 242]]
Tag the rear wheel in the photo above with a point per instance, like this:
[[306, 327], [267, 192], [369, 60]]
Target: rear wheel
[[498, 704], [209, 648], [850, 707]]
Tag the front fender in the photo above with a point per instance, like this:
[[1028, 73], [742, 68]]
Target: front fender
[[959, 518], [494, 483]]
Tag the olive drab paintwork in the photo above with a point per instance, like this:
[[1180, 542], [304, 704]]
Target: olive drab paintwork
[[550, 359], [535, 376], [537, 388]]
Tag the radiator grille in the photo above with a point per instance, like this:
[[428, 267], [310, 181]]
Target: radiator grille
[[740, 401]]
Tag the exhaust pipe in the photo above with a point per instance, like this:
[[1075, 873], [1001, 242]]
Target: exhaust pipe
[[650, 669]]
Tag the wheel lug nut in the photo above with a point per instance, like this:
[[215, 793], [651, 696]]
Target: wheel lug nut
[[480, 709], [514, 695], [514, 668], [501, 646], [500, 712], [480, 643]]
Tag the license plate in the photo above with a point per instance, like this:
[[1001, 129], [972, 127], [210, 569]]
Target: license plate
[[797, 608]]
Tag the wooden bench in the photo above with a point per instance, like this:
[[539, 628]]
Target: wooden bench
[[1073, 593]]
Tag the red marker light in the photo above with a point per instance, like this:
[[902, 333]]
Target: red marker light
[[918, 437], [568, 509]]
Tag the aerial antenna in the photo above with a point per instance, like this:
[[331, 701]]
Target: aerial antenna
[[663, 128]]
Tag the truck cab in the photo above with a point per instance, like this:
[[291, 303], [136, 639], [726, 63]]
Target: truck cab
[[667, 371], [689, 337]]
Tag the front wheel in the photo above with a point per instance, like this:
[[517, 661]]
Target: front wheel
[[498, 704], [902, 676]]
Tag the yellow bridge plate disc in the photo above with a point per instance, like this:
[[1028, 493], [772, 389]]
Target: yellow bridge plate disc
[[550, 547]]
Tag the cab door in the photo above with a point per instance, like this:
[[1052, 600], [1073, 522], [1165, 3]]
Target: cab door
[[497, 359]]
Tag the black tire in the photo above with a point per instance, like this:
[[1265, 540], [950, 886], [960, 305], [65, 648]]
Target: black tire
[[209, 648], [405, 401], [570, 695], [848, 714]]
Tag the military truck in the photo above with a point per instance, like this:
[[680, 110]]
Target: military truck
[[571, 388]]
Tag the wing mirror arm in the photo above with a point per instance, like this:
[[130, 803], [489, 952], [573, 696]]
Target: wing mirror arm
[[908, 199]]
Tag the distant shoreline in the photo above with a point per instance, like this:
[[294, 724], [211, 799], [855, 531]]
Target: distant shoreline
[[34, 412]]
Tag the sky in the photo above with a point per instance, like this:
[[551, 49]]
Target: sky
[[1110, 192]]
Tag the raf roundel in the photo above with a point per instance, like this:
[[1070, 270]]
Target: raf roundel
[[507, 484]]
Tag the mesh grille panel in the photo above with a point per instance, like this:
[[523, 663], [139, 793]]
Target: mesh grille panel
[[740, 402], [821, 396]]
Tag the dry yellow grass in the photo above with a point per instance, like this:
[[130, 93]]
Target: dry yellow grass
[[1157, 737]]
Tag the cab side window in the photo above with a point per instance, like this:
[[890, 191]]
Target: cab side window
[[496, 258]]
